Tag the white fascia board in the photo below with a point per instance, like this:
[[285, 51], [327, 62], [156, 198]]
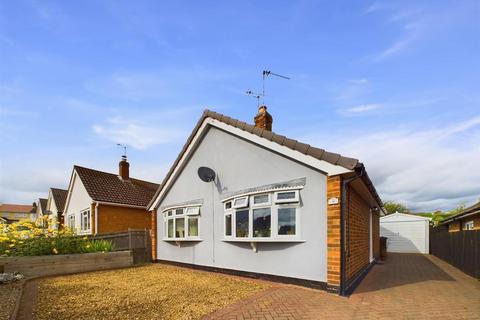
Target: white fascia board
[[324, 166]]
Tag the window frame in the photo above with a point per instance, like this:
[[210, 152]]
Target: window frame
[[296, 199], [274, 209], [468, 225], [172, 214], [243, 205], [297, 221], [85, 213], [263, 204]]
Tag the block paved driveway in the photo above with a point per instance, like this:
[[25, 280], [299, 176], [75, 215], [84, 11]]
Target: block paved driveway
[[407, 286]]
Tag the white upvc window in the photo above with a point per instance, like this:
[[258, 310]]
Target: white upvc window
[[240, 202], [181, 223], [262, 199], [289, 196], [269, 216], [468, 225], [85, 220]]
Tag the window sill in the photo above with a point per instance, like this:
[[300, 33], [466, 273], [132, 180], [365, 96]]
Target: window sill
[[182, 240], [254, 241], [262, 240], [179, 242]]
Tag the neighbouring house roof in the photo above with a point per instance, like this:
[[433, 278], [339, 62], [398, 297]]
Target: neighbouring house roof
[[109, 187], [60, 197], [398, 216], [16, 208], [475, 209], [349, 164], [43, 205]]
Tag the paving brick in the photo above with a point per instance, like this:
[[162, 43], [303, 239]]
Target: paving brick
[[407, 286]]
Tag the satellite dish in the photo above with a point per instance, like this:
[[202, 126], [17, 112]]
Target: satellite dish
[[206, 174]]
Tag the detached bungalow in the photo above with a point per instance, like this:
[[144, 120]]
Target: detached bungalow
[[242, 199], [41, 209], [11, 213], [468, 219], [101, 202], [55, 205]]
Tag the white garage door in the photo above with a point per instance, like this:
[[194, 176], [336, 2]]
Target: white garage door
[[405, 236]]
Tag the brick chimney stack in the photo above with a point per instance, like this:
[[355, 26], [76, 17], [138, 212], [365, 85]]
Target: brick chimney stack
[[263, 119], [124, 168]]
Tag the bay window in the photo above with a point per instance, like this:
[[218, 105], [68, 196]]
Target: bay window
[[181, 223], [263, 216]]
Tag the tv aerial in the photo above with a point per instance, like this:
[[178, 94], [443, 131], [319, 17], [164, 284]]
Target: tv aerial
[[124, 156], [265, 74]]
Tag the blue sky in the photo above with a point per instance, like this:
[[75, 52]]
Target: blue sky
[[393, 83]]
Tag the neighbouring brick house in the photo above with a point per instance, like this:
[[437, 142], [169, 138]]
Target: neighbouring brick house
[[100, 202], [15, 212], [468, 219], [242, 199], [55, 205], [41, 206]]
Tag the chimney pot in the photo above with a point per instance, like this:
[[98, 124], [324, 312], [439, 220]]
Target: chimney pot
[[263, 119], [124, 168]]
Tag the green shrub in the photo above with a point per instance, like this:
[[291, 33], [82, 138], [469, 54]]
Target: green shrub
[[29, 239]]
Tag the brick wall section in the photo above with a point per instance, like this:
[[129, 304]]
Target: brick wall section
[[116, 219], [376, 235], [358, 234], [154, 235], [458, 225], [333, 232], [454, 226]]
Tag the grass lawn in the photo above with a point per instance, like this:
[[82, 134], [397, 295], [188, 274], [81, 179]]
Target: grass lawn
[[149, 292]]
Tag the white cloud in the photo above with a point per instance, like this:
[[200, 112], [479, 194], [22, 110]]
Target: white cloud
[[423, 168], [363, 108], [135, 134]]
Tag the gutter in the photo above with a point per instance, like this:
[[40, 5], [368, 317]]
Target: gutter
[[343, 288], [96, 217]]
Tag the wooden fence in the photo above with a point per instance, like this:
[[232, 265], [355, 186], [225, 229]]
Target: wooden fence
[[138, 241], [461, 249]]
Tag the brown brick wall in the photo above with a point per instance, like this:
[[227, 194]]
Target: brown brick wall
[[333, 231], [454, 226], [116, 219], [153, 219], [358, 235], [376, 235], [458, 225]]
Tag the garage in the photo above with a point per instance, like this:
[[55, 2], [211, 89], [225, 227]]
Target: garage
[[406, 233]]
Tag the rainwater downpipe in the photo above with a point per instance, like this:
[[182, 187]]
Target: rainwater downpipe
[[343, 231], [96, 218]]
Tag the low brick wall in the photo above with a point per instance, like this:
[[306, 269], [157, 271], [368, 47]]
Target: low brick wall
[[40, 266]]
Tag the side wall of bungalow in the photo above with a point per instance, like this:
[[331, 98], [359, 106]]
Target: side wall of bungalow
[[239, 165]]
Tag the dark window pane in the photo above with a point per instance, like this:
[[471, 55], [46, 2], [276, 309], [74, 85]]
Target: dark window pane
[[228, 205], [261, 222], [179, 211], [228, 225], [241, 223], [262, 198], [170, 228], [286, 195], [286, 221]]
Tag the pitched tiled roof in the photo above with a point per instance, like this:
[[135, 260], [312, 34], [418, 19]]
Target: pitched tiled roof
[[43, 205], [109, 187], [16, 208], [59, 196], [475, 209], [320, 154]]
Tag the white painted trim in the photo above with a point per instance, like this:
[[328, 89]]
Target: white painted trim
[[324, 166], [121, 205], [261, 192]]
